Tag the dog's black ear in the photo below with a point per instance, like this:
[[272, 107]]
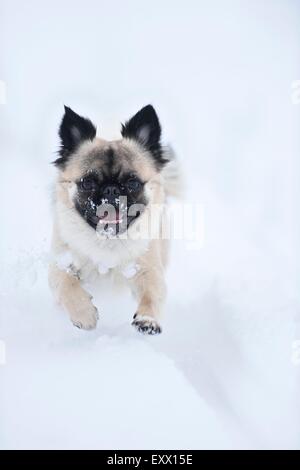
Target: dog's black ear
[[144, 127], [73, 130]]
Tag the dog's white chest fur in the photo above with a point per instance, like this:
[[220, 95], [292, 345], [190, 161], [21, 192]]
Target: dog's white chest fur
[[90, 253]]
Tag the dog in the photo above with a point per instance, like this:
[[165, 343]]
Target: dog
[[104, 190]]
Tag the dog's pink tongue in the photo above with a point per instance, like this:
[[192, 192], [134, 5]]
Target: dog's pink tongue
[[112, 218]]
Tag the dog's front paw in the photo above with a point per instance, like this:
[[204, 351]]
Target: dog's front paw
[[146, 325], [87, 319]]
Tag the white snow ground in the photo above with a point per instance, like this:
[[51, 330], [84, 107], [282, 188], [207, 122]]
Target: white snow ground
[[222, 375]]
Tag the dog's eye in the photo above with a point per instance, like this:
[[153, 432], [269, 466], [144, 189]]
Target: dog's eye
[[133, 184], [88, 184]]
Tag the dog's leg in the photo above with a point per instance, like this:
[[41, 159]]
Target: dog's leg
[[150, 289], [66, 287], [73, 298]]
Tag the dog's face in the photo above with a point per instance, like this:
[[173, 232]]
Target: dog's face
[[110, 179]]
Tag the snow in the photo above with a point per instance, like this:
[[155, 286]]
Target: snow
[[102, 268], [64, 260], [130, 270], [225, 371]]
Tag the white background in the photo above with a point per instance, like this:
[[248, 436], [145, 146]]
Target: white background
[[222, 374]]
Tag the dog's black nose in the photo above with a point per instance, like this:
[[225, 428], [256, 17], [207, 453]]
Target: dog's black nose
[[111, 191]]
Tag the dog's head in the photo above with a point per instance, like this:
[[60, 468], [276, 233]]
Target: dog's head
[[112, 181]]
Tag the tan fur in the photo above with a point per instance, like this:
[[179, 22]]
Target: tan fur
[[86, 250]]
